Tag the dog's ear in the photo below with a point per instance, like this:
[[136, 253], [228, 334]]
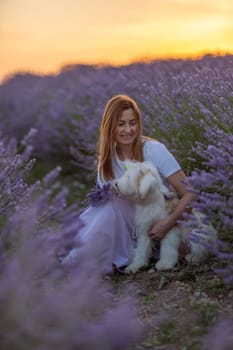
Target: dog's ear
[[147, 182], [160, 185]]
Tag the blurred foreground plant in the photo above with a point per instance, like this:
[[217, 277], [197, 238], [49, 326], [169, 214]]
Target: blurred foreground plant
[[43, 303]]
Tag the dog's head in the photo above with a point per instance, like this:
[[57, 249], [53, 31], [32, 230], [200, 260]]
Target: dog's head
[[140, 180]]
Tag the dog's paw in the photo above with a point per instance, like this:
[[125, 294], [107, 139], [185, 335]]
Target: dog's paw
[[132, 268], [192, 259], [164, 265]]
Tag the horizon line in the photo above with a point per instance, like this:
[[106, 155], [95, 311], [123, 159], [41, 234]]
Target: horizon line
[[144, 59]]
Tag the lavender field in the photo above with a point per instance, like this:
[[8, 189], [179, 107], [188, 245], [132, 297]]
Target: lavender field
[[49, 130]]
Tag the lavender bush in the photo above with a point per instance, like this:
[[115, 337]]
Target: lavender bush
[[45, 304], [179, 100], [220, 336], [215, 192]]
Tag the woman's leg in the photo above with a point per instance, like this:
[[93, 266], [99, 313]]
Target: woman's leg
[[107, 229]]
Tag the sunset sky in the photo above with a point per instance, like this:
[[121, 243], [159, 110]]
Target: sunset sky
[[43, 35]]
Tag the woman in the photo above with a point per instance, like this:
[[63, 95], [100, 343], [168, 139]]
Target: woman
[[110, 224]]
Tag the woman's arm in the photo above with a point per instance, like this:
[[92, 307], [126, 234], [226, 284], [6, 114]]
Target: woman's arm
[[178, 181]]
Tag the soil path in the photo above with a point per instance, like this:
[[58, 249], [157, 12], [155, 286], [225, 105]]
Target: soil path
[[180, 306]]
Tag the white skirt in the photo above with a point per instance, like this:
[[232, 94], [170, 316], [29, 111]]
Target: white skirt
[[109, 227]]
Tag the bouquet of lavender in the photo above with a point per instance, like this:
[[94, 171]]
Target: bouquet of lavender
[[99, 195]]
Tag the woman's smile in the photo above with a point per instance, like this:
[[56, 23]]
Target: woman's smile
[[126, 131]]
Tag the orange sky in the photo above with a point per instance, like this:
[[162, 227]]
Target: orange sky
[[43, 35]]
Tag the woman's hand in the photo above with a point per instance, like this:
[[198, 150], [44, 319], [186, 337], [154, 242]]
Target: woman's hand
[[179, 182], [159, 230]]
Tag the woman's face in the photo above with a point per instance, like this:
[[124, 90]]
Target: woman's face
[[126, 131]]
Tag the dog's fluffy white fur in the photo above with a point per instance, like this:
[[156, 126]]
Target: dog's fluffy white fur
[[142, 184]]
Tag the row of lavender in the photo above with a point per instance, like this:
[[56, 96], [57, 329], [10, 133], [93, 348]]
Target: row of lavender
[[186, 104], [180, 102]]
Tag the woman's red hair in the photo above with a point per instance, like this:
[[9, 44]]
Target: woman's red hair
[[112, 113]]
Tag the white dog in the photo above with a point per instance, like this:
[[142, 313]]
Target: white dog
[[142, 184]]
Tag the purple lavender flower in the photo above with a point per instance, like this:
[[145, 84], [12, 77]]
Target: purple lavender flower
[[99, 195], [220, 336], [45, 304]]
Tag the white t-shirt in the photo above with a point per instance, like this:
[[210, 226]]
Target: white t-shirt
[[154, 152]]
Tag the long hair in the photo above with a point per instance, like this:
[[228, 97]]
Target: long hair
[[112, 113]]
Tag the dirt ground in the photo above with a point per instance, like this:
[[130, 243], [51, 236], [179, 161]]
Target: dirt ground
[[180, 306]]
